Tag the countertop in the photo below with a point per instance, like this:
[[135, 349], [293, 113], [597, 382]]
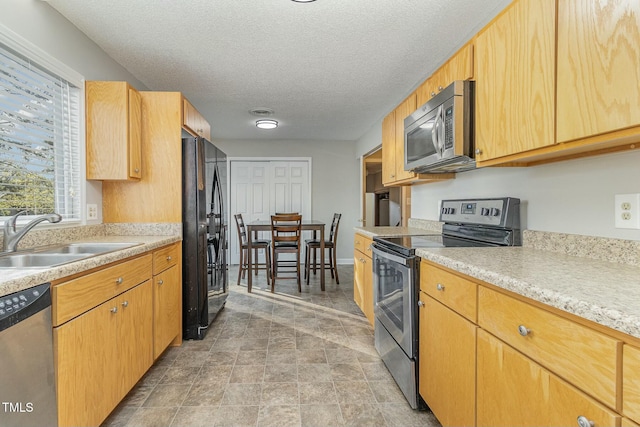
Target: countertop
[[14, 280], [602, 291]]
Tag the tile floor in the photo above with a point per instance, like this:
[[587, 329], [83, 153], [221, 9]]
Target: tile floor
[[283, 359]]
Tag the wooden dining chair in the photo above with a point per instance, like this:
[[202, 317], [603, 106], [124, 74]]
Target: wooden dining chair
[[256, 245], [312, 245], [285, 239]]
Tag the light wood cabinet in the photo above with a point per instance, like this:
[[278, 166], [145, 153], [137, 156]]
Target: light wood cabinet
[[513, 390], [584, 357], [157, 197], [447, 363], [393, 172], [515, 81], [101, 354], [113, 131], [363, 276], [598, 65], [631, 383], [193, 121], [458, 67], [167, 298]]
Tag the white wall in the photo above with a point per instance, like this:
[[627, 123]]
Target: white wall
[[335, 179], [43, 26]]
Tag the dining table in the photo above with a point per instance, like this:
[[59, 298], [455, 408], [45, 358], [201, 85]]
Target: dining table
[[254, 227]]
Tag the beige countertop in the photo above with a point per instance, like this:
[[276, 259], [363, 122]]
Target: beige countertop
[[604, 292], [17, 279], [390, 231]]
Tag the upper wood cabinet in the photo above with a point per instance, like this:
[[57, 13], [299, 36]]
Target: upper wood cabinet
[[113, 131], [515, 81], [459, 67], [598, 67], [193, 121], [157, 197]]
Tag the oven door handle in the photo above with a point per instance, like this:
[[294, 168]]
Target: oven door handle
[[389, 256]]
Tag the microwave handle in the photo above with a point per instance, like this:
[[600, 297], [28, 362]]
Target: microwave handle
[[389, 256], [438, 132]]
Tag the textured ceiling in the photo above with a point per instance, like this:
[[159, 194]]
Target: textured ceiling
[[329, 69]]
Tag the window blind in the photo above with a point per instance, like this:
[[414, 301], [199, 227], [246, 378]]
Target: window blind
[[39, 139]]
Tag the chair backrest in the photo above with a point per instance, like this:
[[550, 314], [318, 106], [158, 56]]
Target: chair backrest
[[333, 232], [286, 228], [242, 231]]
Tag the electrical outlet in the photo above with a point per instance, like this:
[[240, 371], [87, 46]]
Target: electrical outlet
[[627, 210], [92, 211]]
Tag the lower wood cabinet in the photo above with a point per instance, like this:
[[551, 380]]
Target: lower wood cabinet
[[513, 390], [167, 298], [631, 382], [101, 354], [363, 276], [447, 363], [109, 327]]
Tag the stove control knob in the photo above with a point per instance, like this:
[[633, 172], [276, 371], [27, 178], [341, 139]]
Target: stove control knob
[[484, 212], [495, 211], [452, 210], [444, 211]]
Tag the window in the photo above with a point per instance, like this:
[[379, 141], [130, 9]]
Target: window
[[39, 135]]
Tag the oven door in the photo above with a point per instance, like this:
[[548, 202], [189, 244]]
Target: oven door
[[395, 297]]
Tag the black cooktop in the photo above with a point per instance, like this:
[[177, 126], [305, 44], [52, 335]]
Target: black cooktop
[[407, 245]]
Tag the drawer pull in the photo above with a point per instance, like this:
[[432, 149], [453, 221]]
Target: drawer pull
[[114, 310], [160, 282], [522, 330], [119, 281], [585, 422], [420, 304], [169, 258], [440, 287], [125, 304]]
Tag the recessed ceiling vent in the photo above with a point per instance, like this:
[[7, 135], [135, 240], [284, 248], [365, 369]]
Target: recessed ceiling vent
[[261, 112]]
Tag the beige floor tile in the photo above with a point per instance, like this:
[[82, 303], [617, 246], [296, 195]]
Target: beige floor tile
[[180, 376], [279, 394], [346, 372], [204, 394], [251, 357], [321, 415], [311, 356], [363, 414], [167, 396], [279, 416], [242, 394], [353, 392], [236, 416], [281, 373], [195, 417], [317, 393], [152, 417], [314, 372], [247, 374]]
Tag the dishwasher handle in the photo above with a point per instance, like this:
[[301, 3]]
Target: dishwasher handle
[[19, 306]]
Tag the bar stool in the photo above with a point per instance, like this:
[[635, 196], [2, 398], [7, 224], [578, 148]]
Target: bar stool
[[285, 238], [256, 245], [331, 244]]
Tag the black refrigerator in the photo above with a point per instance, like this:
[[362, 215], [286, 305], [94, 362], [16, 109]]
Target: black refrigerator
[[204, 235]]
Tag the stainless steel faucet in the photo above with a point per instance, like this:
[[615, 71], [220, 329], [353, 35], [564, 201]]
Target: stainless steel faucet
[[12, 236]]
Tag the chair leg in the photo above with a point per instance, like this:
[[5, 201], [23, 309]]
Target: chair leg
[[307, 267], [335, 264], [315, 256], [298, 269], [240, 267], [255, 264], [331, 263], [267, 259]]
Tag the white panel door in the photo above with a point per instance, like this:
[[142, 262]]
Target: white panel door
[[290, 185], [249, 197], [260, 188]]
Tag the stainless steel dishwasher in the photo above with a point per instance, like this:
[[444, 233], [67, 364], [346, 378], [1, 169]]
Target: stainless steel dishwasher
[[27, 378]]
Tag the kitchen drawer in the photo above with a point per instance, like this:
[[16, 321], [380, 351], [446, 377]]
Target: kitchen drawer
[[582, 356], [72, 298], [166, 257], [631, 382], [457, 293], [362, 243]]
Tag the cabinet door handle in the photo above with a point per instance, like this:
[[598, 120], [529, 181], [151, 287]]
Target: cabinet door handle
[[440, 287], [478, 151], [169, 258], [114, 310], [420, 304], [160, 282], [522, 330], [585, 422], [119, 281], [125, 304], [433, 94], [136, 170]]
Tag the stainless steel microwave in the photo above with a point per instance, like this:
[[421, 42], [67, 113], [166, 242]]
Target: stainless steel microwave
[[439, 136]]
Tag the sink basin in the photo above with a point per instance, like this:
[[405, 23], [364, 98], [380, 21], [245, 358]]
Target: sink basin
[[51, 256], [38, 260], [89, 248]]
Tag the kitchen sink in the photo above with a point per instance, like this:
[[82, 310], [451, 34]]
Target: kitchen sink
[[51, 256], [38, 260]]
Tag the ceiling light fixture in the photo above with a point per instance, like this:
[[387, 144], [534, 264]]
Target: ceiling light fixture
[[266, 124]]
